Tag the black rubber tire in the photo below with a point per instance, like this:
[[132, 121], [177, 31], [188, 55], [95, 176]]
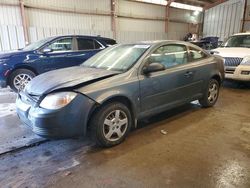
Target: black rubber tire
[[15, 73], [97, 120], [204, 100]]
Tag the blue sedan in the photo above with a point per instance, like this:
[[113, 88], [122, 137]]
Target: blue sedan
[[19, 67]]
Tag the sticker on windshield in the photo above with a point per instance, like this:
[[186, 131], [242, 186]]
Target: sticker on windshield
[[141, 46]]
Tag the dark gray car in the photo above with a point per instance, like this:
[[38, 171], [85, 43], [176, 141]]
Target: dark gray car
[[118, 86]]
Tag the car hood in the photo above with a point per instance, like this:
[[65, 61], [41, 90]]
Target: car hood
[[66, 78], [8, 54], [232, 52]]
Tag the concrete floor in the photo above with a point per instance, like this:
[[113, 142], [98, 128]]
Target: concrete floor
[[14, 135], [202, 148]]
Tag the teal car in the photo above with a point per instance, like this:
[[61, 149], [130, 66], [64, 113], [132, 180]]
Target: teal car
[[112, 90]]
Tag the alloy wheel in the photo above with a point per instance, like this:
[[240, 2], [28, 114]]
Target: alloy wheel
[[213, 92], [115, 125], [21, 80]]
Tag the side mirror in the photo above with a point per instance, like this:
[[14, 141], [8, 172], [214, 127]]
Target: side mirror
[[47, 50], [153, 67]]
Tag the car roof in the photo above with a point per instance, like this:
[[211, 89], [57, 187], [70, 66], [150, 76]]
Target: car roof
[[237, 34], [156, 42], [87, 36]]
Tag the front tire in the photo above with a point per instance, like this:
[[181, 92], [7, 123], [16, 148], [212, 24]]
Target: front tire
[[110, 124], [20, 78], [211, 95]]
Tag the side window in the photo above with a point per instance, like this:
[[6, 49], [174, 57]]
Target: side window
[[170, 55], [87, 44], [64, 44], [196, 54]]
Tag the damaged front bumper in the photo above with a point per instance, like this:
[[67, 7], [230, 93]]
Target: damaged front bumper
[[69, 121]]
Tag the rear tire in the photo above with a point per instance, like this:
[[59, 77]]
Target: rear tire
[[20, 78], [110, 124], [211, 95]]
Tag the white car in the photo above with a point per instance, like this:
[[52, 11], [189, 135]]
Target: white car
[[236, 53]]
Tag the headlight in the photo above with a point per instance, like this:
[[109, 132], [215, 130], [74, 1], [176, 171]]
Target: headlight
[[57, 100], [245, 61]]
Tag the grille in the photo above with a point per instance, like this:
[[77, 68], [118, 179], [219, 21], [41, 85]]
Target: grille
[[232, 61]]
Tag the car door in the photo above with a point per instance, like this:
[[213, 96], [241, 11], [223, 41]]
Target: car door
[[86, 48], [57, 54], [198, 66], [170, 87]]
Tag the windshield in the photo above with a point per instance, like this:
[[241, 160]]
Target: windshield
[[117, 58], [37, 44], [238, 41]]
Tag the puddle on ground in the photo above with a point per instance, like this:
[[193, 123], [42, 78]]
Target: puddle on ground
[[245, 128], [230, 174], [71, 164], [246, 146]]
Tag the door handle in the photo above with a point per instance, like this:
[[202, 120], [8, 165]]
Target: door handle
[[188, 74]]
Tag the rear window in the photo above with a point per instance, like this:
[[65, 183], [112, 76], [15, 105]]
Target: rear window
[[109, 42], [87, 44]]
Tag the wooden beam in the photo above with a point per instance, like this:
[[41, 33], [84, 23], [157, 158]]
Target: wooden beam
[[167, 15], [144, 2], [24, 22], [85, 12], [193, 2], [208, 1], [9, 4], [244, 16], [113, 18]]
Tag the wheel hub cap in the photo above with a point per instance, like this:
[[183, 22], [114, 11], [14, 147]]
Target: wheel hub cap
[[115, 125], [212, 93], [21, 80]]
